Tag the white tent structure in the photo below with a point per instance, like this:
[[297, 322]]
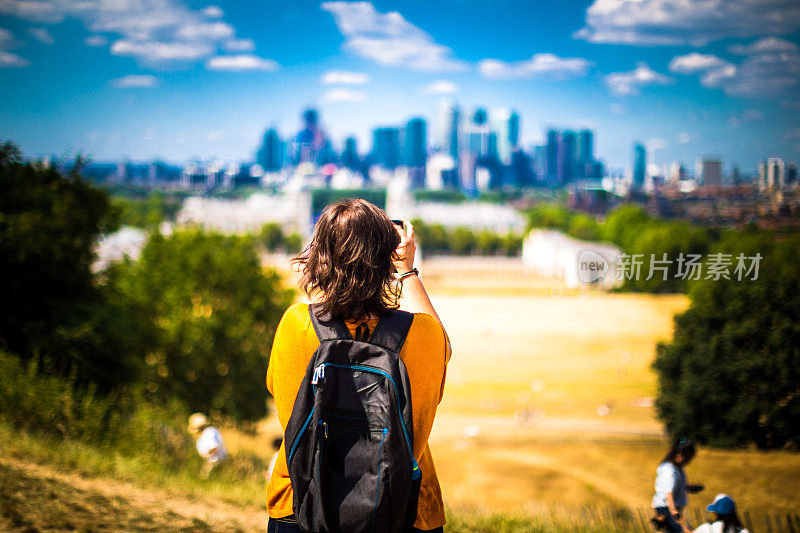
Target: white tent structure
[[551, 254]]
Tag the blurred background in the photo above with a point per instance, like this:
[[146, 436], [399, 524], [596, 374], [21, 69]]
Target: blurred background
[[607, 207]]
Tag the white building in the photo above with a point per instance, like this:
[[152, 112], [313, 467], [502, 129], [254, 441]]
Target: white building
[[291, 210], [551, 254]]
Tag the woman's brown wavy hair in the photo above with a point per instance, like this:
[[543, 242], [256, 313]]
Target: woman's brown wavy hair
[[349, 261]]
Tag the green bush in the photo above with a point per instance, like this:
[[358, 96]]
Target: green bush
[[208, 312]]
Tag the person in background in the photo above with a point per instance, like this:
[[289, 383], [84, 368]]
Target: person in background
[[208, 441], [727, 521], [671, 488]]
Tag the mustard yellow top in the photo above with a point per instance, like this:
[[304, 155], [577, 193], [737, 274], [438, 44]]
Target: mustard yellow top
[[425, 356]]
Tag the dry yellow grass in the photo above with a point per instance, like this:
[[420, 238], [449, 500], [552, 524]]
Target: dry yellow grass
[[519, 426]]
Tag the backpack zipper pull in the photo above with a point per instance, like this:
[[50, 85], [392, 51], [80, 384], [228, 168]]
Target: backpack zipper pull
[[325, 428], [319, 373]]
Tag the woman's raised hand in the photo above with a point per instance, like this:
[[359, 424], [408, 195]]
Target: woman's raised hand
[[406, 249]]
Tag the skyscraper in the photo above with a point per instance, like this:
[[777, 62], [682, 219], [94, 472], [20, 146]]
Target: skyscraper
[[775, 173], [710, 170], [506, 124], [415, 143], [552, 157], [449, 125], [585, 153], [270, 154], [386, 147], [567, 155], [639, 166], [310, 141], [350, 157]]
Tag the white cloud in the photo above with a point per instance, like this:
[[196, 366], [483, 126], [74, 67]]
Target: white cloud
[[694, 62], [766, 75], [95, 40], [766, 45], [389, 39], [6, 39], [152, 31], [716, 72], [239, 45], [344, 77], [161, 51], [205, 30], [9, 60], [41, 35], [45, 11], [655, 145], [439, 87], [684, 137], [627, 83], [213, 12], [718, 76], [241, 62], [344, 94], [135, 81], [539, 64], [695, 22]]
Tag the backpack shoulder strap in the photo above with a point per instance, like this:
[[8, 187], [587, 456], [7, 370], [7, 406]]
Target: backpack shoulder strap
[[391, 331], [326, 327]]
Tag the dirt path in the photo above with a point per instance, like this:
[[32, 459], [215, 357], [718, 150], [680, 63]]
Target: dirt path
[[35, 497]]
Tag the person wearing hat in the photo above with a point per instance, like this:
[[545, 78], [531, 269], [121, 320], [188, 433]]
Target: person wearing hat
[[208, 441], [727, 521]]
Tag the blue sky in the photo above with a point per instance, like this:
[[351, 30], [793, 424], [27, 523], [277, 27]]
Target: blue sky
[[183, 79]]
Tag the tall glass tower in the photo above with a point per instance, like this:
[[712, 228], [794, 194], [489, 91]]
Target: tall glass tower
[[639, 165], [415, 143], [386, 147]]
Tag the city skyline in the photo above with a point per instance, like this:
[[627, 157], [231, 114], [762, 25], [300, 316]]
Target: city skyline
[[181, 80]]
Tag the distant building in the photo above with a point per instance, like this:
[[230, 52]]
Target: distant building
[[449, 129], [415, 143], [551, 159], [775, 173], [710, 171], [311, 145], [350, 158], [386, 147], [506, 125], [567, 156], [677, 172], [639, 166], [270, 155], [585, 160]]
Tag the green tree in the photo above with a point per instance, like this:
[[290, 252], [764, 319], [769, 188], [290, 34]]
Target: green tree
[[462, 241], [209, 312], [730, 375], [51, 308], [582, 226], [623, 223], [549, 215], [271, 236], [147, 213]]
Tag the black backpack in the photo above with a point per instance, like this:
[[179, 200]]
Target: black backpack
[[349, 440]]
